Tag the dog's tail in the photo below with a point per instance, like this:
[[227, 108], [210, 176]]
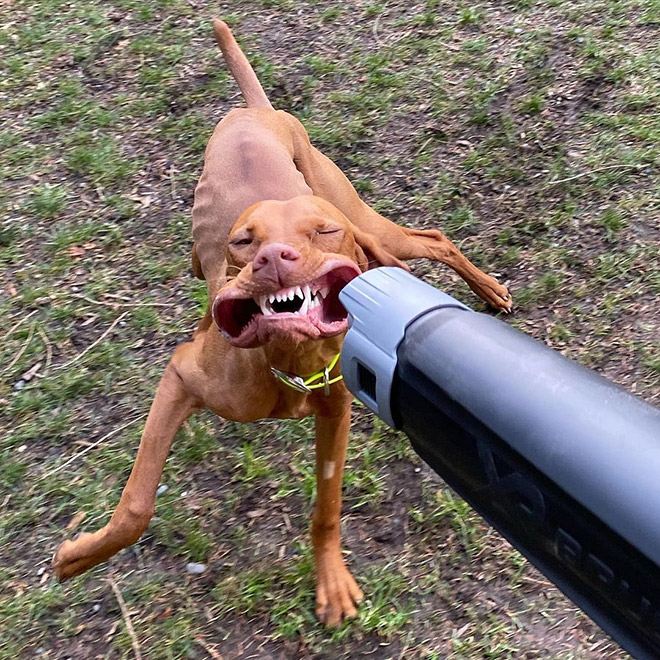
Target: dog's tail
[[239, 67]]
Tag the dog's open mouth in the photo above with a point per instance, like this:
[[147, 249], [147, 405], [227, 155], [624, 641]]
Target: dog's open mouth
[[295, 300], [311, 309]]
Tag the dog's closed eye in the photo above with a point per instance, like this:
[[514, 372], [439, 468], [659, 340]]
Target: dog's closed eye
[[242, 241]]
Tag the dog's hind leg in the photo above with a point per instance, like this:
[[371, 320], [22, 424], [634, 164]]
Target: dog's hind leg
[[327, 181], [433, 244]]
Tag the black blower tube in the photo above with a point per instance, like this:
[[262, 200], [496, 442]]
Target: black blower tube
[[563, 463]]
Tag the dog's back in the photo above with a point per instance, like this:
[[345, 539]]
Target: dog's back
[[248, 159]]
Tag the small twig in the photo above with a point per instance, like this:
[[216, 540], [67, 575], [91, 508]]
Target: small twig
[[374, 30], [172, 183], [93, 344], [49, 350], [116, 295], [127, 618], [18, 324], [403, 651], [590, 172], [18, 355], [211, 651], [94, 444], [444, 44], [117, 304], [419, 151]]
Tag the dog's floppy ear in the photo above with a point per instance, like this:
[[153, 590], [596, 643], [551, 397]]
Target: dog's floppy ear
[[371, 253]]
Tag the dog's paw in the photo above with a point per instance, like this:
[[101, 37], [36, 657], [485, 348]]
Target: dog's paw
[[337, 593], [502, 299], [75, 557], [494, 294]]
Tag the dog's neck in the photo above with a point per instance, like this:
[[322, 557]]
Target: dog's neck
[[306, 358]]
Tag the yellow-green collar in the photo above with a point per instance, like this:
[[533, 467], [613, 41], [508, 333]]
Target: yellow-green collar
[[309, 384]]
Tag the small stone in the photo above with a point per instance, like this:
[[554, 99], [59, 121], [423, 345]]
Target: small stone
[[194, 568], [163, 488], [418, 469], [96, 608], [19, 385]]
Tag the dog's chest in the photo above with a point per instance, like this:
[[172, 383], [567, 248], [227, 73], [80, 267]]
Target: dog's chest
[[273, 406]]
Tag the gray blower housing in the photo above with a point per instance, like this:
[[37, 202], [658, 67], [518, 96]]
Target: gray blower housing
[[563, 463]]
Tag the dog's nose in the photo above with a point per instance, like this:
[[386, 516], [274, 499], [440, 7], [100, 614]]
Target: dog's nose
[[274, 261]]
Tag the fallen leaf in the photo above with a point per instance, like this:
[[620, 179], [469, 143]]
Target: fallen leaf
[[75, 521], [76, 251], [18, 587], [208, 648], [11, 290], [145, 200], [112, 631], [257, 513]]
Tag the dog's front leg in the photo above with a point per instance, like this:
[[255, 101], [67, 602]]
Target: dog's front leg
[[337, 594], [171, 407]]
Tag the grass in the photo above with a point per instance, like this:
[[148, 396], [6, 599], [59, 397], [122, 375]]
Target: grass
[[528, 131]]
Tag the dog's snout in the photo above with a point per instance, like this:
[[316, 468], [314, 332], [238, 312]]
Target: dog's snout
[[275, 260]]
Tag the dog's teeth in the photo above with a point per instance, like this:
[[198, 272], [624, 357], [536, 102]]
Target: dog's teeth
[[314, 300], [292, 294], [263, 304], [271, 298], [324, 291], [304, 307], [299, 292]]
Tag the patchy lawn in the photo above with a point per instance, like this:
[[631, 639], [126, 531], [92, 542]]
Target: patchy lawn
[[528, 131]]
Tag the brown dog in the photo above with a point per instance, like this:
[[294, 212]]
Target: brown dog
[[278, 231]]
